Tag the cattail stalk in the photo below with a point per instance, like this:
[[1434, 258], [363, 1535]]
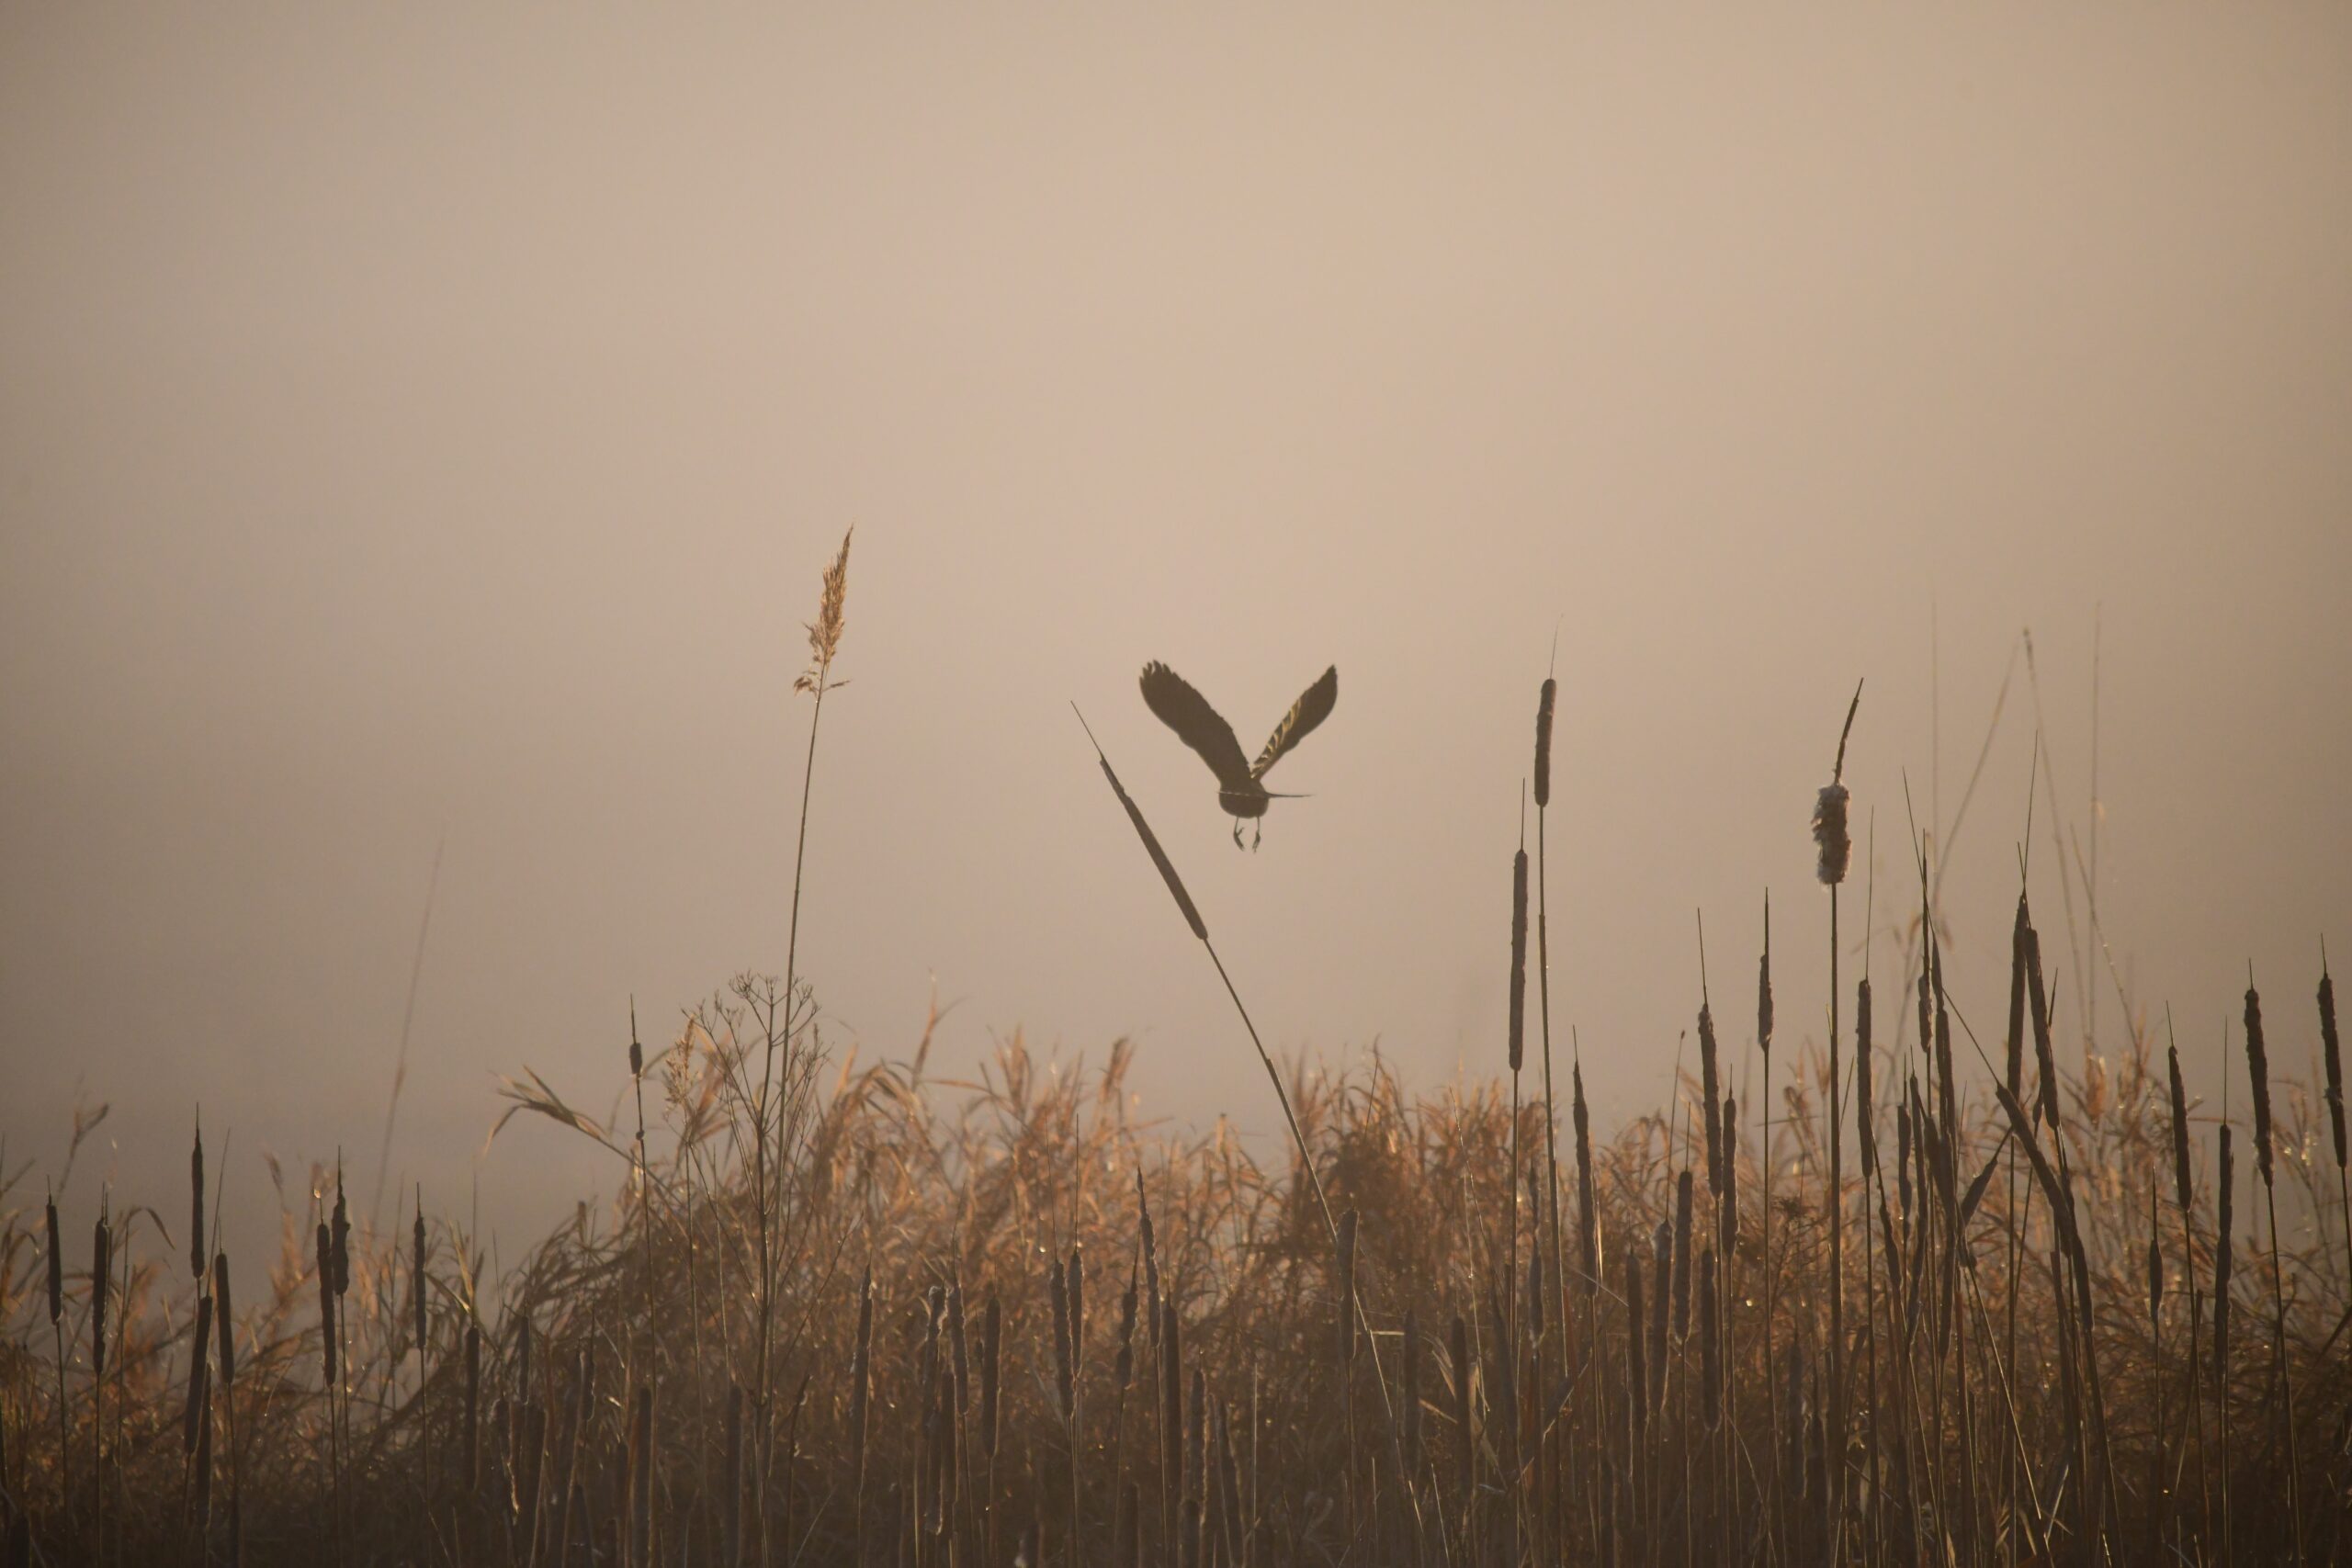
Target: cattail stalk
[[2258, 1070]]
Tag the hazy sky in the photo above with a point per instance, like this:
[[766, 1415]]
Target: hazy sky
[[428, 424]]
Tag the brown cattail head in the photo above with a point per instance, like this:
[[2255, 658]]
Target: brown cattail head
[[2222, 1250], [1159, 856], [2045, 1063], [1829, 834], [1057, 1287], [1711, 1360], [1730, 1197], [56, 1267], [1126, 1363], [101, 1271], [1587, 1234], [1865, 1105], [339, 1238], [2016, 1038], [2181, 1193], [1682, 1185], [2332, 1055], [1710, 1087], [195, 1206], [1764, 985], [1661, 1272], [825, 631], [1518, 959], [227, 1348], [325, 1251], [2257, 1068], [199, 1364], [1347, 1305], [1543, 743], [417, 1301]]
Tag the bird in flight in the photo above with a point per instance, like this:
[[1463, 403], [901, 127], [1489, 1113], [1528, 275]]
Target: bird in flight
[[1240, 786]]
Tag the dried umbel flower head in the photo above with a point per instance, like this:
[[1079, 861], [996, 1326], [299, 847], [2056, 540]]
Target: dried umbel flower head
[[1829, 834], [825, 631]]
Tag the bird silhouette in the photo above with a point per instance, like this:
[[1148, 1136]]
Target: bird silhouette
[[1240, 787]]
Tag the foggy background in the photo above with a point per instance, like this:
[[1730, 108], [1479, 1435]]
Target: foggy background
[[426, 426]]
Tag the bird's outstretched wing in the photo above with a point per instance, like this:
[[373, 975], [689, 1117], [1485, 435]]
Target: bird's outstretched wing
[[1188, 713], [1314, 705]]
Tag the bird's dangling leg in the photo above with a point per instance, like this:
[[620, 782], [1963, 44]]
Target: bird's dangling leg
[[1236, 832], [1257, 832]]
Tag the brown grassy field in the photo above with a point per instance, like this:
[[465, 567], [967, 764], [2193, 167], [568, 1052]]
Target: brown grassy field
[[1988, 1301]]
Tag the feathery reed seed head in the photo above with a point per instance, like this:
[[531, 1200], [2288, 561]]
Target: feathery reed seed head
[[825, 631]]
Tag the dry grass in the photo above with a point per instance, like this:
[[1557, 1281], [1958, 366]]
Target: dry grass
[[843, 1315]]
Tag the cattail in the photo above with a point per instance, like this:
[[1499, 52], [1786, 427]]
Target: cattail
[[1412, 1374], [1172, 1401], [198, 1374], [2179, 1131], [56, 1267], [1057, 1287], [1587, 1232], [991, 1371], [228, 1347], [1637, 1373], [1159, 856], [2332, 1053], [1829, 834], [1682, 1185], [1464, 1450], [1661, 1271], [1544, 743], [1710, 1090], [1730, 1172], [1764, 986], [1075, 1277], [1126, 1363], [2045, 1063], [2257, 1067], [416, 1278], [1518, 959], [102, 1260], [339, 1236], [1865, 1104], [196, 1205], [2221, 1260], [1347, 1313], [1710, 1361], [2016, 1038], [326, 1300]]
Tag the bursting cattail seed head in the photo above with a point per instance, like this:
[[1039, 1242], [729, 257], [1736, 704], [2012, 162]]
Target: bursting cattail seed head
[[1829, 834], [1544, 743], [2257, 1067]]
